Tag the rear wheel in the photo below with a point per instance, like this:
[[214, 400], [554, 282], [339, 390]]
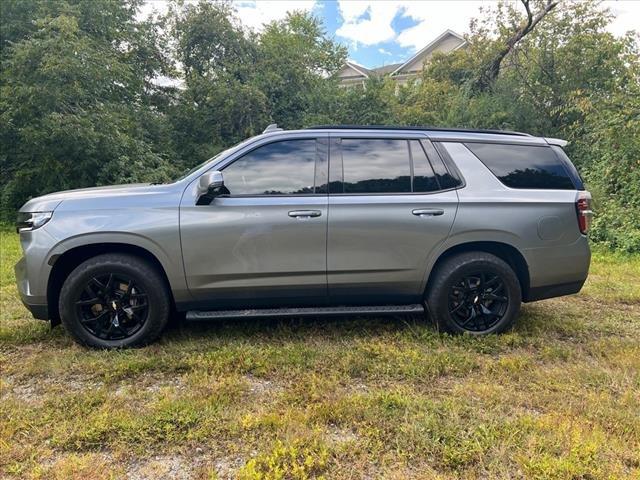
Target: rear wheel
[[474, 292], [114, 300]]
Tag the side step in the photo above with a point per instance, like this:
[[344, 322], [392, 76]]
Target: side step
[[305, 311]]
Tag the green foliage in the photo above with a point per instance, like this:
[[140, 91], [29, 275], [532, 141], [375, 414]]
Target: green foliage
[[297, 461], [79, 105], [75, 103]]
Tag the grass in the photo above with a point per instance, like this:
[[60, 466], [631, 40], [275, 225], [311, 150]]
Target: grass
[[557, 397]]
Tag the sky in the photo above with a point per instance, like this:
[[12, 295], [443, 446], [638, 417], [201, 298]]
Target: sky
[[381, 32]]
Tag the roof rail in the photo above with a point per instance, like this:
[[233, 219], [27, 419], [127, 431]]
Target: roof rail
[[413, 127], [273, 127]]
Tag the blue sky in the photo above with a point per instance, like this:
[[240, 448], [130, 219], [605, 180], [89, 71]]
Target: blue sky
[[378, 54], [380, 32]]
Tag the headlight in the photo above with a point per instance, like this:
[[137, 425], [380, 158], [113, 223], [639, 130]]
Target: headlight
[[31, 220]]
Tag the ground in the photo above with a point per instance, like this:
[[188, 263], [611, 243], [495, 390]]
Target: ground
[[557, 397]]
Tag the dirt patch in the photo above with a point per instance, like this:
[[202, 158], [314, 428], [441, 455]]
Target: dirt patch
[[339, 436], [261, 386], [162, 467], [34, 390]]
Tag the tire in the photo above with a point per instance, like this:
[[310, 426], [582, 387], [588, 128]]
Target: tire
[[115, 301], [473, 292]]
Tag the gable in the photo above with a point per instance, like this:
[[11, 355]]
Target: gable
[[445, 43], [349, 71]]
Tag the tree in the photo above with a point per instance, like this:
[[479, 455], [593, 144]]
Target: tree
[[490, 72], [75, 100], [238, 81], [294, 67]]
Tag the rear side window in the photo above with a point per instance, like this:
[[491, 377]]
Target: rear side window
[[571, 168], [376, 165], [523, 166], [437, 152], [424, 180]]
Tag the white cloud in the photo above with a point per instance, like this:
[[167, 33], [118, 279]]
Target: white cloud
[[369, 21], [435, 17], [384, 52], [626, 18], [254, 14]]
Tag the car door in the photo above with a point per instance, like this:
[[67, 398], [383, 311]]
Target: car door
[[388, 211], [264, 242]]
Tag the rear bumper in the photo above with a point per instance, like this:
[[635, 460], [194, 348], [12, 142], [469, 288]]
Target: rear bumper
[[551, 291], [557, 270], [36, 304]]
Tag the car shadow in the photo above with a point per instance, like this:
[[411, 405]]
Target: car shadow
[[272, 328]]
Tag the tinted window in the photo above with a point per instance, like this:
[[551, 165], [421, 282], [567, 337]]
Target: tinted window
[[375, 166], [437, 152], [424, 180], [571, 168], [520, 166], [280, 168]]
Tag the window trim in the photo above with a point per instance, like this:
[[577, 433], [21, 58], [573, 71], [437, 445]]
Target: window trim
[[280, 195]]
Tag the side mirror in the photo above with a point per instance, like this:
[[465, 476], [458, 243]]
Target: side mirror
[[210, 185]]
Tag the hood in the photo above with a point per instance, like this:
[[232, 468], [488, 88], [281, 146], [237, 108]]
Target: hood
[[50, 201]]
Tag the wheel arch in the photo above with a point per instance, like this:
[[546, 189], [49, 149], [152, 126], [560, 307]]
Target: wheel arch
[[510, 254], [67, 261]]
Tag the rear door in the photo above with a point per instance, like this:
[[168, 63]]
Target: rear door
[[388, 211]]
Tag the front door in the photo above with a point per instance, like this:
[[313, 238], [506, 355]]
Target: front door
[[388, 211], [265, 242]]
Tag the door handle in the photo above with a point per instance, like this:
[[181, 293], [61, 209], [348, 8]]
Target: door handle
[[304, 213], [428, 212]]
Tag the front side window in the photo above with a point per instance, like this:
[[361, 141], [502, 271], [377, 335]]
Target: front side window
[[523, 166], [375, 165], [279, 168]]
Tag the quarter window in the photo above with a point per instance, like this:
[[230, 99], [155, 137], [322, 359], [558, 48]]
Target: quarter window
[[279, 168], [424, 180], [523, 166], [375, 166]]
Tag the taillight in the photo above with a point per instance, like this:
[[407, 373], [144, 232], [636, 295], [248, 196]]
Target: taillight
[[584, 212]]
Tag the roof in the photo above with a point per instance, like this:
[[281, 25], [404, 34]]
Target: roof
[[359, 68], [430, 46], [385, 69], [414, 127], [395, 68]]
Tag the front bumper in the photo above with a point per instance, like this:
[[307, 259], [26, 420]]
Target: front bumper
[[35, 304]]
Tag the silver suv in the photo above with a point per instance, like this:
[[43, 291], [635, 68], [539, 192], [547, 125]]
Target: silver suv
[[462, 225]]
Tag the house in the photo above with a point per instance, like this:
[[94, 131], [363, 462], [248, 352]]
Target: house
[[352, 74]]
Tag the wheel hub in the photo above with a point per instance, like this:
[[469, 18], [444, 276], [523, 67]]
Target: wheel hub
[[477, 302], [112, 307]]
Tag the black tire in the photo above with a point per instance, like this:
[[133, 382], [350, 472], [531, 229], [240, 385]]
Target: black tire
[[130, 307], [473, 292]]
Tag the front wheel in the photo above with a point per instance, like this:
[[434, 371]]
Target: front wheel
[[114, 301], [474, 292]]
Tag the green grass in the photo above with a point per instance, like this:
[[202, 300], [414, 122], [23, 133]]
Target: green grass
[[558, 397]]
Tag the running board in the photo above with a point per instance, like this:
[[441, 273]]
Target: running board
[[305, 311]]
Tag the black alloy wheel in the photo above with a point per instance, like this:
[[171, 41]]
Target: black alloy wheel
[[475, 292], [115, 300], [112, 307], [477, 302]]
